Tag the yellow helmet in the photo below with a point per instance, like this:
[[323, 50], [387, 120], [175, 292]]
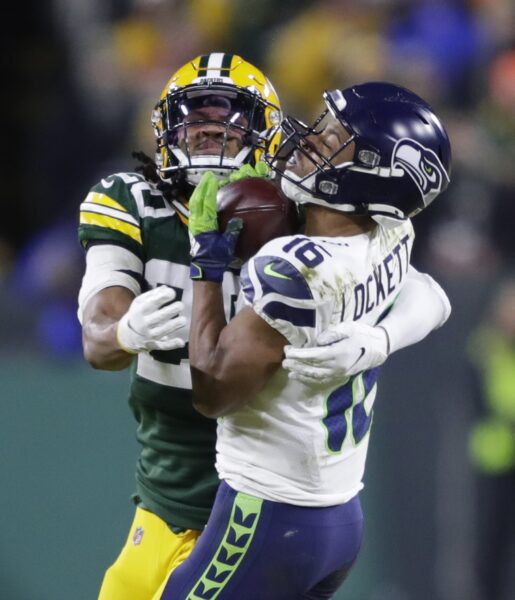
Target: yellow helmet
[[252, 108]]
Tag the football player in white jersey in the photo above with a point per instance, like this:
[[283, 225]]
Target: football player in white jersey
[[287, 521], [215, 112]]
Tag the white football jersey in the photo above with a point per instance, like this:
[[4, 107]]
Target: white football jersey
[[294, 443]]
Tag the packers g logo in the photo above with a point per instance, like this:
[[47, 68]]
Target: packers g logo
[[422, 165]]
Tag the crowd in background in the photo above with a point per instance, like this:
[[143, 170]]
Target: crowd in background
[[92, 70], [86, 75]]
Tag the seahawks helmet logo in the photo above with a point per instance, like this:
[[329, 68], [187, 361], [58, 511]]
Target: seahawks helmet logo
[[423, 166]]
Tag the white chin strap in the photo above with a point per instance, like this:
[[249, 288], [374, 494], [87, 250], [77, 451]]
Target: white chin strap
[[196, 166]]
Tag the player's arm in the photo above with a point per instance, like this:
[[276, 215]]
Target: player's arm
[[421, 307], [231, 362], [117, 320], [350, 348], [100, 319]]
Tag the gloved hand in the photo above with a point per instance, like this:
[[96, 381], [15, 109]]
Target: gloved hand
[[344, 350], [246, 170], [211, 251], [151, 321]]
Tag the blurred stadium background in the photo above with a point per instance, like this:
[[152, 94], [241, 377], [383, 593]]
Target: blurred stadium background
[[80, 80]]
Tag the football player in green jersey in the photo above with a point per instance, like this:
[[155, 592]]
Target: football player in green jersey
[[217, 113]]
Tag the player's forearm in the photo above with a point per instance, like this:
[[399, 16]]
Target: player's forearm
[[99, 340], [212, 395], [101, 348], [421, 307]]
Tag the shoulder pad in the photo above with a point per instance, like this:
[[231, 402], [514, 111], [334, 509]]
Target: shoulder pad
[[276, 276], [278, 290], [109, 212]]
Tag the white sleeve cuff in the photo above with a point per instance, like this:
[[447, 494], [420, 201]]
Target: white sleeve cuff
[[108, 265]]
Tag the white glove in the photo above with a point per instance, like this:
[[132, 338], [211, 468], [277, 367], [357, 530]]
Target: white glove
[[150, 322], [343, 350]]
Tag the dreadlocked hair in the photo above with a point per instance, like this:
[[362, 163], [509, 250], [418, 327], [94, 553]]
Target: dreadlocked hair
[[176, 189]]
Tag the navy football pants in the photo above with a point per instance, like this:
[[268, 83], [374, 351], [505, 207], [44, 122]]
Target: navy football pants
[[254, 549]]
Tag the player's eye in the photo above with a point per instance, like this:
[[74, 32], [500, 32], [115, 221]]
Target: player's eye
[[331, 141]]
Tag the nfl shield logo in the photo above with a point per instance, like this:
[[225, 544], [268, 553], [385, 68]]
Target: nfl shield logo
[[138, 536]]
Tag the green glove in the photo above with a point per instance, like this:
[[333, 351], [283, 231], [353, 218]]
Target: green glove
[[245, 171], [203, 205], [211, 251]]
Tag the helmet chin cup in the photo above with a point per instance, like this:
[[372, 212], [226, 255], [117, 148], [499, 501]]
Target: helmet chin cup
[[297, 189]]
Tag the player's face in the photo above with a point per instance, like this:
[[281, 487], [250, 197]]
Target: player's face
[[331, 142], [206, 131]]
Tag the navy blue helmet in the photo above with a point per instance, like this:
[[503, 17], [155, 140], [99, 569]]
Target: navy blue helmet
[[402, 157]]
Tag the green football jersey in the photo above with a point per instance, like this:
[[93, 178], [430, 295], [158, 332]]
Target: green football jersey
[[175, 476]]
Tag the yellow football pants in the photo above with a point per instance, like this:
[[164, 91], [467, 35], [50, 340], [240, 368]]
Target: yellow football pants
[[151, 552]]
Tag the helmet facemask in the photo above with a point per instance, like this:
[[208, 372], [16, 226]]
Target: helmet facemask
[[300, 139]]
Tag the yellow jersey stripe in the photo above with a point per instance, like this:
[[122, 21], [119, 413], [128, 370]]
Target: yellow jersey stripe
[[109, 212], [104, 200], [89, 218]]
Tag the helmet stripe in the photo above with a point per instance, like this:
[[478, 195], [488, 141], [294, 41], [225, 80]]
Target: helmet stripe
[[214, 65], [202, 66], [226, 64]]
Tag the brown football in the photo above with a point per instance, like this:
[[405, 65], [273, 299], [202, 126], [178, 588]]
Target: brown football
[[265, 210]]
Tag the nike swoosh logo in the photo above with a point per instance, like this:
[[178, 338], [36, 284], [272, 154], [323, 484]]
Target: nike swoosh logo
[[362, 352], [107, 184], [269, 270]]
